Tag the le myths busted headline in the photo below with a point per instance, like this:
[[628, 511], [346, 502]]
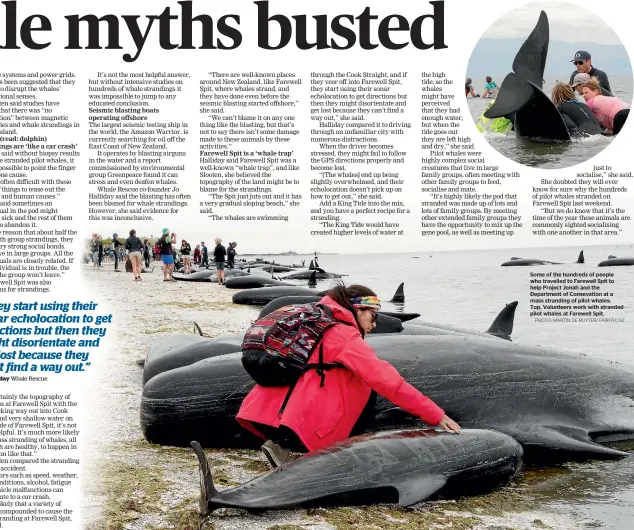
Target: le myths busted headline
[[340, 32]]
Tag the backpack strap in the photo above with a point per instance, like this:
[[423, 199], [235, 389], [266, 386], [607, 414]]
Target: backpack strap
[[320, 367]]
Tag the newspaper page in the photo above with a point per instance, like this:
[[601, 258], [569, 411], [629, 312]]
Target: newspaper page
[[452, 177]]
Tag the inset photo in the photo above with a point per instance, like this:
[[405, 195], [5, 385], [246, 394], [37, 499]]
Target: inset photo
[[549, 85]]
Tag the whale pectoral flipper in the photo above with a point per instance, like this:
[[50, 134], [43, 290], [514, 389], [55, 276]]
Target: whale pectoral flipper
[[207, 489], [563, 438], [412, 490]]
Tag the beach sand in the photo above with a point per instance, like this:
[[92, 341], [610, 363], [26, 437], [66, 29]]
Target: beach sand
[[131, 484]]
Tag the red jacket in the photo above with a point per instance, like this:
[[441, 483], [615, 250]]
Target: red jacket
[[321, 416]]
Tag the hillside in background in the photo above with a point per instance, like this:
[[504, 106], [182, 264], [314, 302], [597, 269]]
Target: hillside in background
[[494, 57]]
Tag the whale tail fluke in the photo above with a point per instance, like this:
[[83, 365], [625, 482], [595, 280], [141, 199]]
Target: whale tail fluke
[[514, 94], [581, 258], [312, 281], [207, 489], [399, 295], [530, 61], [502, 326], [198, 330]]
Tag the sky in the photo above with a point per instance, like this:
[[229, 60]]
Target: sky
[[568, 23]]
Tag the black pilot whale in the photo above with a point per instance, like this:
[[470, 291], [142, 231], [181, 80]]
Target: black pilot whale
[[558, 405], [407, 467], [521, 98]]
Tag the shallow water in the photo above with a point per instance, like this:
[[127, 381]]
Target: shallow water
[[468, 289], [552, 155]]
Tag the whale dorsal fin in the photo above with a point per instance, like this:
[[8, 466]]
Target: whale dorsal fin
[[581, 258], [503, 324], [399, 295], [313, 278], [611, 257]]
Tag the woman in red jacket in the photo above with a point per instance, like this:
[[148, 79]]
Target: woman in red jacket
[[317, 416]]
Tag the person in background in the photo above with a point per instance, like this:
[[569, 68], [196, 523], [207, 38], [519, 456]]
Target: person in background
[[204, 254], [583, 63], [219, 257], [577, 115], [116, 244], [468, 88], [165, 243], [580, 79], [490, 88], [146, 253], [186, 251], [197, 254], [134, 247], [231, 255], [100, 250], [610, 112], [157, 251], [94, 249], [320, 410]]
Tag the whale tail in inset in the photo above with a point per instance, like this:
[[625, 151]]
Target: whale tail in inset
[[502, 326], [399, 295], [581, 258], [521, 99]]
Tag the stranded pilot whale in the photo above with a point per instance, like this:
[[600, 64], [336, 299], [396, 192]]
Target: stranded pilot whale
[[524, 262], [521, 98], [407, 467], [613, 261], [180, 349], [558, 405]]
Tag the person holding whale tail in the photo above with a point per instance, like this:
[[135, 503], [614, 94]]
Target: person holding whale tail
[[336, 399]]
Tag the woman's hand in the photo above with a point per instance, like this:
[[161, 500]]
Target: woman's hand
[[449, 425]]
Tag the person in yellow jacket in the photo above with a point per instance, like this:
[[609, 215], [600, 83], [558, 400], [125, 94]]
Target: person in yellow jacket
[[497, 125]]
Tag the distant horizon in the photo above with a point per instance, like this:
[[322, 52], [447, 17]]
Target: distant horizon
[[494, 57]]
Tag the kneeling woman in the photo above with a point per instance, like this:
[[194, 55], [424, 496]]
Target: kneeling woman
[[611, 112], [316, 416], [577, 115]]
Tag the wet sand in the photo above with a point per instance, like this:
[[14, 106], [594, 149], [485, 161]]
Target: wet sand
[[130, 484]]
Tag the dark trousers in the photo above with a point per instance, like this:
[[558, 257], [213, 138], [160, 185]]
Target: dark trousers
[[205, 260], [619, 120], [289, 440], [116, 261]]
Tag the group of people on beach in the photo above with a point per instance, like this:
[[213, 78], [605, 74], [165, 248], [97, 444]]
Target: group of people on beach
[[600, 112], [166, 250]]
